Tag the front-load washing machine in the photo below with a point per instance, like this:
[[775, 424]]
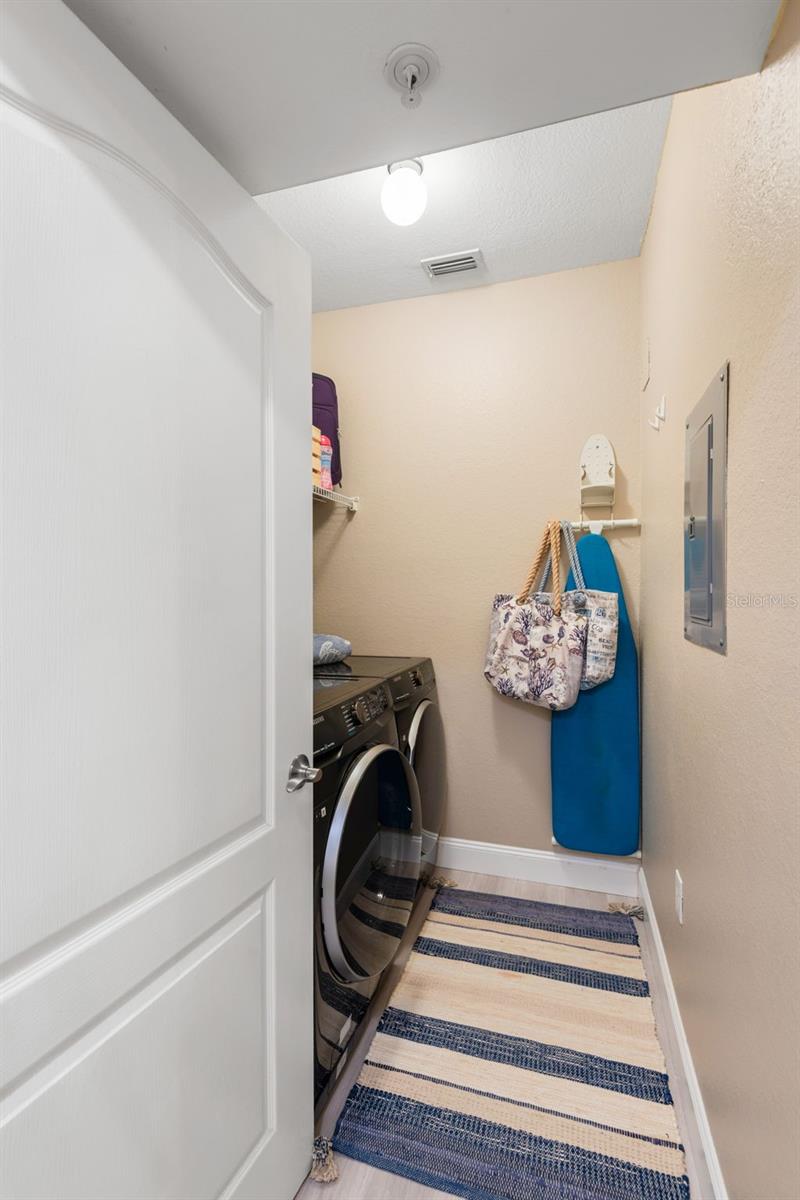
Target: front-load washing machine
[[367, 855], [412, 682]]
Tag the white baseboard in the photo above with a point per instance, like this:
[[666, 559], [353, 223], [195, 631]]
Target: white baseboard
[[682, 1043], [590, 872], [636, 853]]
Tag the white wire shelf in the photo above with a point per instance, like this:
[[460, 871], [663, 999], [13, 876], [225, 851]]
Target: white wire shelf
[[351, 503]]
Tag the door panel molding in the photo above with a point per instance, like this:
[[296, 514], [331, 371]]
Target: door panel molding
[[43, 1004], [215, 971], [178, 527], [193, 223]]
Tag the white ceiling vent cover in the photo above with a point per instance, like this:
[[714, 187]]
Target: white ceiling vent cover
[[452, 264]]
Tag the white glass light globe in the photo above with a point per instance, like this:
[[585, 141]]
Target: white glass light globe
[[404, 194]]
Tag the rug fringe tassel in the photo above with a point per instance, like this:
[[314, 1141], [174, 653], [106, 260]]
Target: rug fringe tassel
[[323, 1164], [627, 910], [440, 881]]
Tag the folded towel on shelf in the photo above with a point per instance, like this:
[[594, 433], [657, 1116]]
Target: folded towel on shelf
[[328, 648]]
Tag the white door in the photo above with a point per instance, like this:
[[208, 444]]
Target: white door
[[156, 592]]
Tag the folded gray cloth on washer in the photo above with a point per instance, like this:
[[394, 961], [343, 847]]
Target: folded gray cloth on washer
[[328, 648]]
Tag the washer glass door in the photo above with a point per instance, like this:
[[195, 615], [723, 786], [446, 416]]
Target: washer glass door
[[426, 753], [372, 863]]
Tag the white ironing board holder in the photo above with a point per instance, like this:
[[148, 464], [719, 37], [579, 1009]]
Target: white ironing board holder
[[597, 479]]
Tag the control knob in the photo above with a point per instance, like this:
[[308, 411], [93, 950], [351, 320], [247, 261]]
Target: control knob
[[361, 710]]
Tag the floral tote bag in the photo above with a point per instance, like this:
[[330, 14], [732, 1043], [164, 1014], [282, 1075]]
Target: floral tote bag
[[537, 643]]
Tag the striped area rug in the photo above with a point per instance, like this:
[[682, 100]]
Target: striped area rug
[[519, 1059]]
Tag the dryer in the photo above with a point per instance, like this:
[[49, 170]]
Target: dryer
[[367, 856], [412, 683]]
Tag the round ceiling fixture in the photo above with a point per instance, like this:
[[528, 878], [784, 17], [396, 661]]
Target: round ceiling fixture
[[404, 194], [408, 69]]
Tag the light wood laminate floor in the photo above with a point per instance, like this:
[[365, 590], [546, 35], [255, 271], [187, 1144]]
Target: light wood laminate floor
[[357, 1181]]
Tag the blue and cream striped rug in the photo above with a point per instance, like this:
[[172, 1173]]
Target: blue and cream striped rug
[[519, 1059]]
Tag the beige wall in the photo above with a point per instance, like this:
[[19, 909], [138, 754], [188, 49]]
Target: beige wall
[[720, 280], [463, 419]]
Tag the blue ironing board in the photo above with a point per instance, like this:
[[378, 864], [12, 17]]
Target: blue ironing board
[[594, 745]]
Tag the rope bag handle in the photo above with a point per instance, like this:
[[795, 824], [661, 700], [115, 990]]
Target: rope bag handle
[[550, 543], [527, 586]]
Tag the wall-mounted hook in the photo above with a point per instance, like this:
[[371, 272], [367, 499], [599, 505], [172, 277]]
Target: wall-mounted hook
[[660, 415]]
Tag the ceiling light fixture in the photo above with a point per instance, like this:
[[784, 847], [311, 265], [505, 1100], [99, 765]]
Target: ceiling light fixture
[[404, 194]]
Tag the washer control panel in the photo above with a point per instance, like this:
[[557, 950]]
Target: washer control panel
[[339, 723], [365, 708]]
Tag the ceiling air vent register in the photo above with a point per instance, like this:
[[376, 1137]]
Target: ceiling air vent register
[[452, 264]]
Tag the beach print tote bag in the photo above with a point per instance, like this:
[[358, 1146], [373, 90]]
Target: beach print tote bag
[[602, 613]]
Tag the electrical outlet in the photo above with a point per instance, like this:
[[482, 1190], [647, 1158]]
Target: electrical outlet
[[679, 897]]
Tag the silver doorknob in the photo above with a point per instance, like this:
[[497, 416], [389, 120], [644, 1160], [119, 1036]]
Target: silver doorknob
[[301, 772]]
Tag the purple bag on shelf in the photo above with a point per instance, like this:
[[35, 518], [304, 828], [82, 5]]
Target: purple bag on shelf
[[325, 407]]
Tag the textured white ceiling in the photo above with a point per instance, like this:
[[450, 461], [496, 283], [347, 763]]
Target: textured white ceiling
[[287, 91], [569, 195]]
